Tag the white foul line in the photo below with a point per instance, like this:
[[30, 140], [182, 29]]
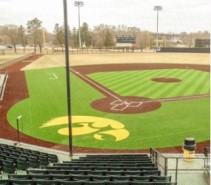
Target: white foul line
[[87, 79], [52, 76]]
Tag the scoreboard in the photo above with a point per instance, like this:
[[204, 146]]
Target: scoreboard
[[125, 41]]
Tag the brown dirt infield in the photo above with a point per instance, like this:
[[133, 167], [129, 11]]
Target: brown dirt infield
[[17, 83]]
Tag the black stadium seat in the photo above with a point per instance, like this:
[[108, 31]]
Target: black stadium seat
[[15, 176], [118, 183], [62, 182], [21, 182], [45, 169], [45, 182], [4, 182], [165, 183], [160, 178], [98, 182], [142, 183]]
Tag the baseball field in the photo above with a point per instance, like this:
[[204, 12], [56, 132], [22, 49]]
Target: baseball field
[[127, 101]]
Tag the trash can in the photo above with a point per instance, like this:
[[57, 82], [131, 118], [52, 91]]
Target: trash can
[[189, 147]]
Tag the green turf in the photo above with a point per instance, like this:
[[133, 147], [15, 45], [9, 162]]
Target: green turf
[[140, 83], [167, 126]]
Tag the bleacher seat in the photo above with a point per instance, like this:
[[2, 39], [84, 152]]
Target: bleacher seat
[[160, 178], [165, 183], [15, 176], [21, 182], [4, 182], [96, 169], [23, 158]]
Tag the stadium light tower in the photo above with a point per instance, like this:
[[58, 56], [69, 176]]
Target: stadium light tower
[[79, 4], [68, 81], [157, 8]]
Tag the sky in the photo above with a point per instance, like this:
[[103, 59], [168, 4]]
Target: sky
[[176, 16]]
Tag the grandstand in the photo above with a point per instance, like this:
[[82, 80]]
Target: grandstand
[[32, 167]]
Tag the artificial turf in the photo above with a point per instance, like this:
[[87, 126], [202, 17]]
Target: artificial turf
[[164, 127]]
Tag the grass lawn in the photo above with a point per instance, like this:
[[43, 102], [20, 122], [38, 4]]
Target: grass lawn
[[167, 126]]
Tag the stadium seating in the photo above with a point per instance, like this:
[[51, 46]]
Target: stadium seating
[[93, 169], [4, 182], [13, 158]]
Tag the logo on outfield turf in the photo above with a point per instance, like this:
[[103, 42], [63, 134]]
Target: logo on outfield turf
[[82, 125]]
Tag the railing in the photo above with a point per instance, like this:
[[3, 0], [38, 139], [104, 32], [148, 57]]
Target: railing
[[183, 172], [3, 79], [207, 164], [160, 161]]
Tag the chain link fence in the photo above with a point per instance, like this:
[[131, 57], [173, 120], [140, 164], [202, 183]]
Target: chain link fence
[[182, 171]]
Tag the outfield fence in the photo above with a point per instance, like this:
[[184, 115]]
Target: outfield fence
[[103, 50], [181, 171]]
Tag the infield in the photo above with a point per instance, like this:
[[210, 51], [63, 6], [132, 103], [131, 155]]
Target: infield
[[165, 126]]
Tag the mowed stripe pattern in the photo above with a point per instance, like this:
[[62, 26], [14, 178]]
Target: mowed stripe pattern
[[140, 83]]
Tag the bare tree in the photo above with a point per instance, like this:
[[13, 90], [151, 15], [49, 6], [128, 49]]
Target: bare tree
[[12, 33], [22, 37], [59, 35], [33, 27], [108, 39], [86, 35]]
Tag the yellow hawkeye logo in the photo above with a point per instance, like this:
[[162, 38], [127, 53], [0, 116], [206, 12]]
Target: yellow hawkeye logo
[[82, 125]]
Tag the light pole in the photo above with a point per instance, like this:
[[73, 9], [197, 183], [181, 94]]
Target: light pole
[[157, 8], [79, 4], [18, 132], [68, 84]]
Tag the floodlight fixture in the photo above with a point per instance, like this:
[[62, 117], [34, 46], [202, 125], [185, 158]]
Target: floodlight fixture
[[79, 3], [158, 8]]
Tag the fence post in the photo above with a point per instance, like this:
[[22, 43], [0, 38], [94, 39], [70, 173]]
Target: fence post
[[176, 170], [166, 166]]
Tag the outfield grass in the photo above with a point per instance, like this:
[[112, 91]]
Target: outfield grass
[[140, 83], [167, 126]]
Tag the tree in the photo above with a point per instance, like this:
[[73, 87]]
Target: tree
[[86, 35], [103, 35], [108, 40], [74, 38], [59, 35], [33, 26], [12, 33], [22, 37], [40, 38]]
